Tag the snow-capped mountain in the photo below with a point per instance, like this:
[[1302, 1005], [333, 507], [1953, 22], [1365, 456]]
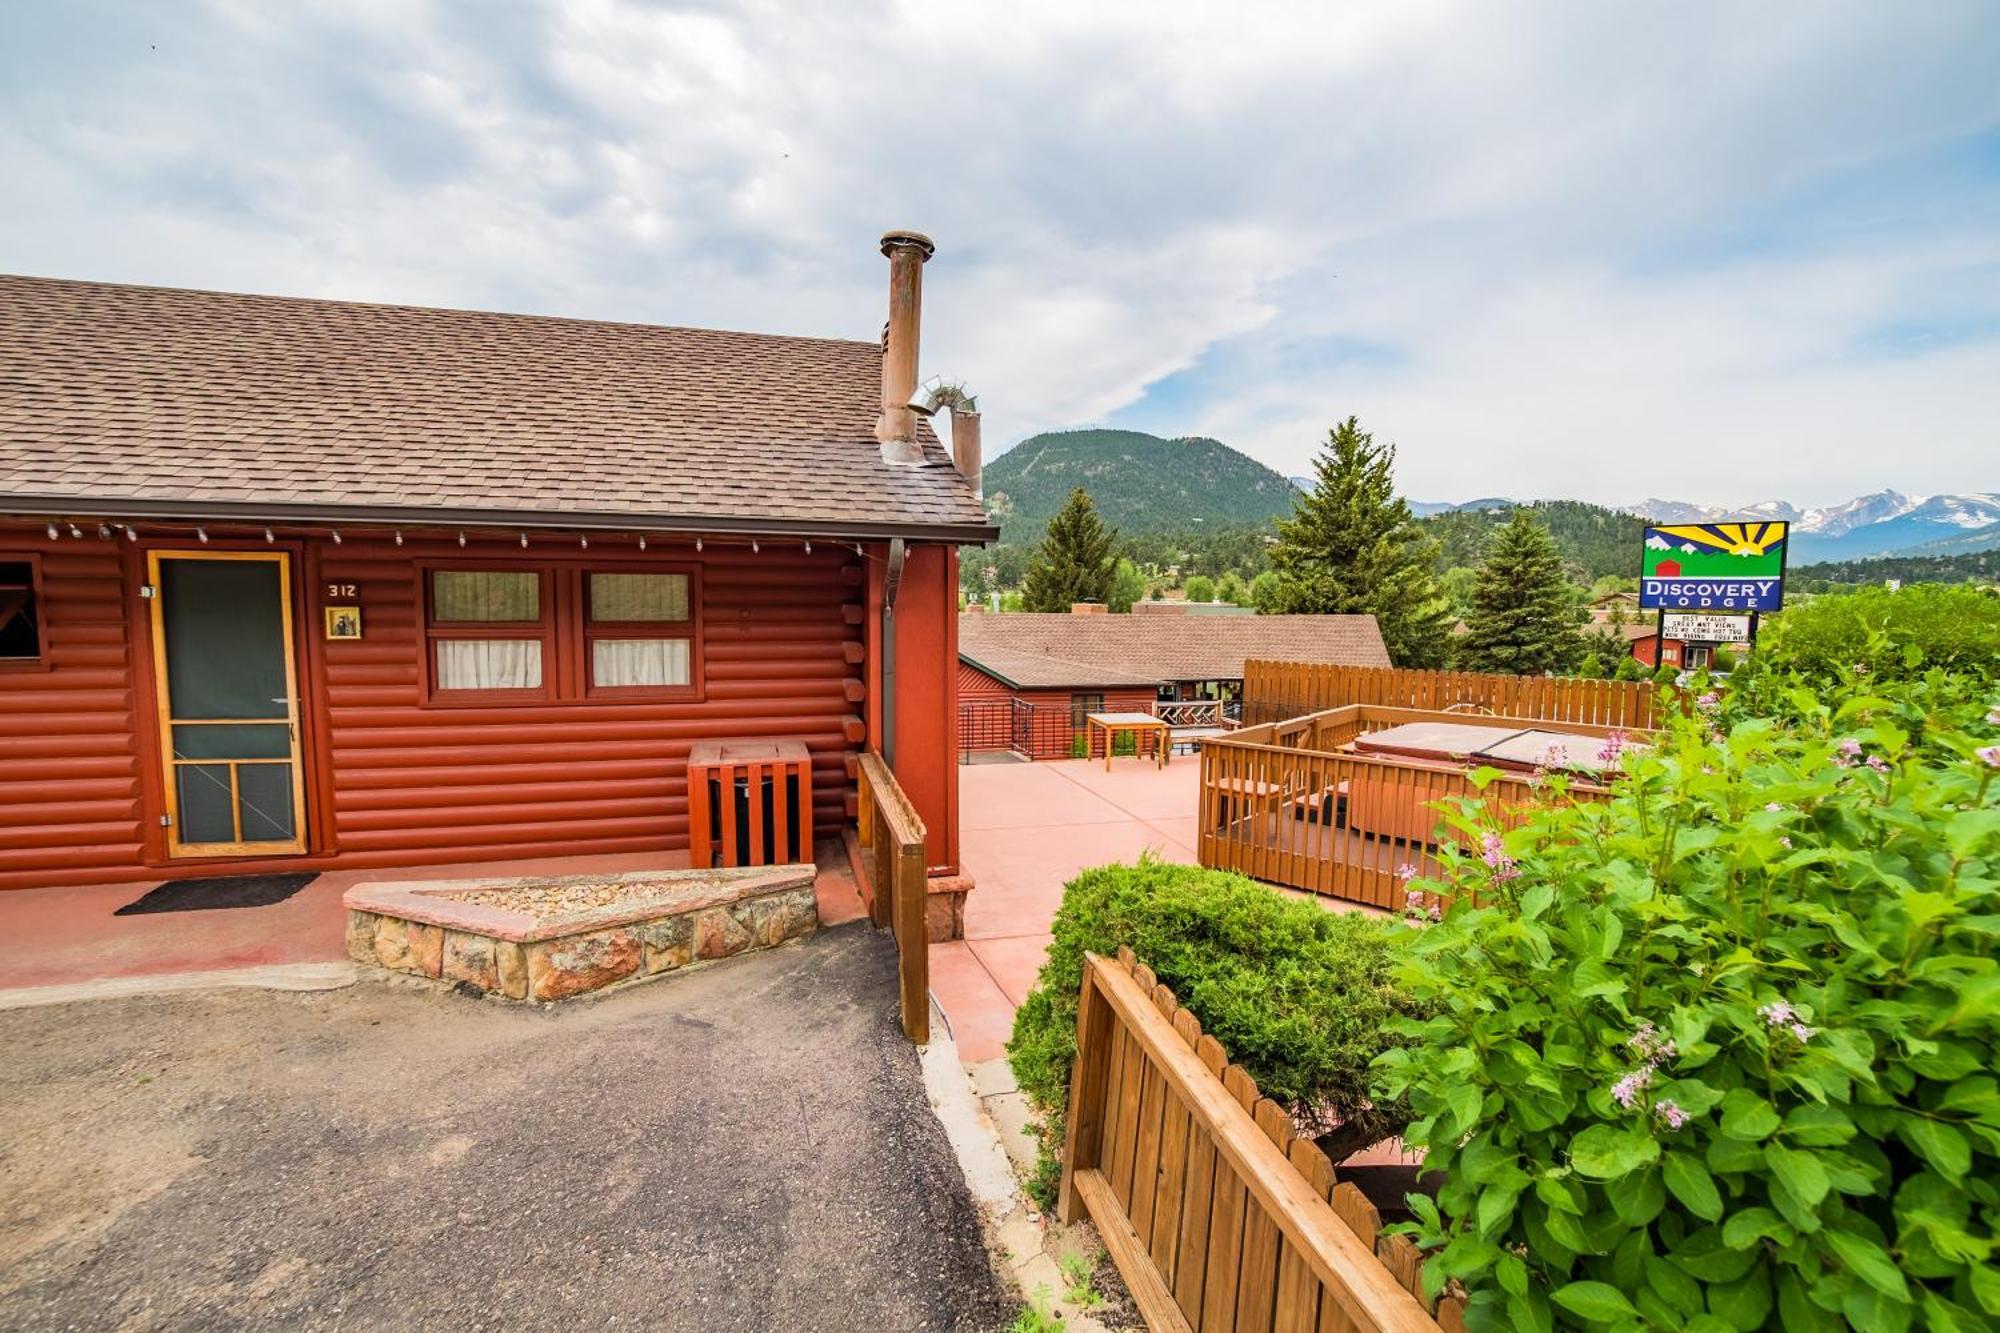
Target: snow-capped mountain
[[1877, 524]]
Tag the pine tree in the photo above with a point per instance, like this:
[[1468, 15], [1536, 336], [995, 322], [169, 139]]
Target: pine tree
[[1525, 618], [1352, 546], [1075, 562]]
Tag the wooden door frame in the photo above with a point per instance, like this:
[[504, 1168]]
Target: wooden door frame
[[173, 848]]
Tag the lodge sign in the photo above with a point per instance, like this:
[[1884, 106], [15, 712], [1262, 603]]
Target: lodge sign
[[1710, 567]]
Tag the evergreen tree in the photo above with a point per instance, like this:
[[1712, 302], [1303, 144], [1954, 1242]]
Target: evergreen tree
[[1525, 618], [1352, 546], [1075, 562]]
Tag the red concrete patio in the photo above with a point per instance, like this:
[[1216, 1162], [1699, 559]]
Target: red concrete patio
[[1024, 831], [64, 936]]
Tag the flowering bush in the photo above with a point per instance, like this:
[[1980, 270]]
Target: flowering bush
[[1721, 1052]]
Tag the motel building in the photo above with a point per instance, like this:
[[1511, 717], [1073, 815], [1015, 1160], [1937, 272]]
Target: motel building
[[295, 584]]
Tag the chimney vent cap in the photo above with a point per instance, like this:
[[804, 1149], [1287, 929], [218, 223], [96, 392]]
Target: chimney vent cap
[[899, 237]]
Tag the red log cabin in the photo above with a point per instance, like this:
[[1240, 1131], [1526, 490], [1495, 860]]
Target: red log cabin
[[300, 584]]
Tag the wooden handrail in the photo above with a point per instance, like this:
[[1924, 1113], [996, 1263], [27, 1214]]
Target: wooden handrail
[[1273, 690], [892, 840], [1367, 1293]]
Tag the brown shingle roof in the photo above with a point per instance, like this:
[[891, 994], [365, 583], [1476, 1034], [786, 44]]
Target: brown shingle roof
[[159, 398], [1076, 651]]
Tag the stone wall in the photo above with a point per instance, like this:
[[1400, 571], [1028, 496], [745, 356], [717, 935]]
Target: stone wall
[[558, 967]]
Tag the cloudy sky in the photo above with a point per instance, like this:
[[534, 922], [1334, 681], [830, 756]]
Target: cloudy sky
[[1707, 251]]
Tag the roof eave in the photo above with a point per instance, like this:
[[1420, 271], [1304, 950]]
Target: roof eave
[[1131, 682], [228, 511]]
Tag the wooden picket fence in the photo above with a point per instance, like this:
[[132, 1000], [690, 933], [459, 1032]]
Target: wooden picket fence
[[1220, 1216], [891, 837], [1273, 691], [1285, 803]]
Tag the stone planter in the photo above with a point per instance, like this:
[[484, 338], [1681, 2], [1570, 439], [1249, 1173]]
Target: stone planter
[[549, 938]]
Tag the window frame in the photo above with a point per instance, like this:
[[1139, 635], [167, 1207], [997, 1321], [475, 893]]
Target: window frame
[[565, 631], [590, 631], [1079, 711], [38, 610], [430, 630]]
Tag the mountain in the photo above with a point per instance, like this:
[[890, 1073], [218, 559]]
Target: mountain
[[1141, 483], [1978, 539], [1878, 524]]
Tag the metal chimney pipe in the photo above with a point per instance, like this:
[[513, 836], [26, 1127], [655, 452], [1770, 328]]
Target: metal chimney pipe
[[896, 429], [965, 451]]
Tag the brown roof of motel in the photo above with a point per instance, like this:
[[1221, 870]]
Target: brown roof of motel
[[137, 400], [1059, 651]]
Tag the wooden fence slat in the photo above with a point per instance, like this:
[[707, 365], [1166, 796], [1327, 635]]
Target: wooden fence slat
[[1228, 1219], [1273, 691]]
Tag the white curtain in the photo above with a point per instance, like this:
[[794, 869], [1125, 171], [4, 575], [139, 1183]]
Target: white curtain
[[615, 662], [489, 664]]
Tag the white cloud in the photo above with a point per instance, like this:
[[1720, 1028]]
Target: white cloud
[[1599, 251]]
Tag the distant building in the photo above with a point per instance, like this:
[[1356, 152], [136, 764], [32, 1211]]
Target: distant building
[[1026, 681]]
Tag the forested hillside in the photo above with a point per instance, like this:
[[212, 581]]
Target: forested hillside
[[1143, 485], [1594, 541]]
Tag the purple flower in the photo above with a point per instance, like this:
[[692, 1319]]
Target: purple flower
[[1626, 1090], [1849, 753], [1773, 807], [1436, 912], [1991, 754], [1802, 1032], [1993, 717], [1614, 745], [1413, 900], [1777, 1013], [1785, 843], [1406, 872], [1555, 756], [1670, 1112], [1651, 1045], [1878, 763], [1709, 702]]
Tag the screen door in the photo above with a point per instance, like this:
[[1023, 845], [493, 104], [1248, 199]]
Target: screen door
[[222, 653]]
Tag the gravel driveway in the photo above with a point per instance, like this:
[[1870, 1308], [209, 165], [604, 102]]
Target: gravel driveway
[[744, 1147]]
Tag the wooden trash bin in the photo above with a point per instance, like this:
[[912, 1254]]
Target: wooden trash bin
[[749, 803]]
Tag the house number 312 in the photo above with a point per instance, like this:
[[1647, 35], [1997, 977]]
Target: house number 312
[[336, 591]]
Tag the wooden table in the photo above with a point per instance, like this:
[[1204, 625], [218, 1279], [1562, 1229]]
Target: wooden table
[[1136, 723]]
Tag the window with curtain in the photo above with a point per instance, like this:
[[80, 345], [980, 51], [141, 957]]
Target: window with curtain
[[1081, 706], [639, 631], [489, 631], [562, 631]]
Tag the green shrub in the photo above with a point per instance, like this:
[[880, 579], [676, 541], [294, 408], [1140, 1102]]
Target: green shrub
[[1721, 1051], [1079, 746], [1888, 635], [1629, 668], [1666, 673], [1201, 588], [1297, 994], [1723, 660]]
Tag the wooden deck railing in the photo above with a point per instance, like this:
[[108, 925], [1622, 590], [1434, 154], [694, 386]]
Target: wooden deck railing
[[1218, 1215], [892, 856], [1274, 690], [1279, 802]]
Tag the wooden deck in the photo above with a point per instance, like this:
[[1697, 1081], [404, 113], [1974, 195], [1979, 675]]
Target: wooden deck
[[1290, 804]]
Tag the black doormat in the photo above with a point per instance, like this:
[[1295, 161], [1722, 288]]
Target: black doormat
[[202, 895]]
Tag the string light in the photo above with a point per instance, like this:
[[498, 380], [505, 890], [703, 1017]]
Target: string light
[[461, 539], [642, 541], [203, 534], [104, 531], [697, 546], [584, 542], [336, 536], [399, 536], [130, 535], [75, 531], [524, 541], [269, 536], [53, 534], [754, 548], [809, 546]]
